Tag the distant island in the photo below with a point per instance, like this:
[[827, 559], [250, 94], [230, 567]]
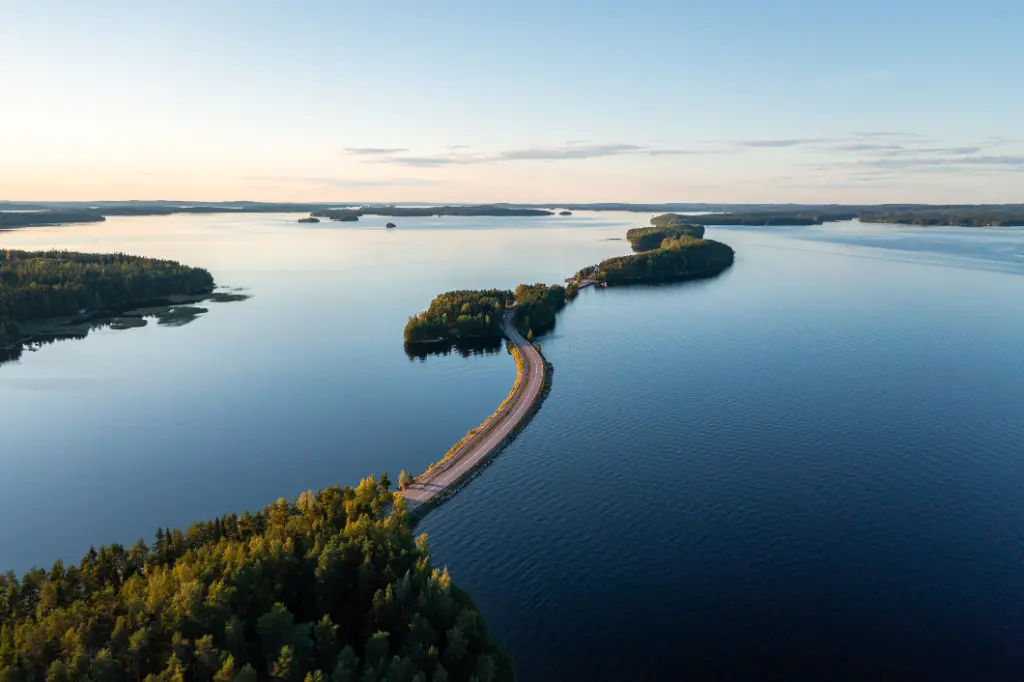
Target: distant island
[[337, 214], [308, 219], [565, 213], [676, 259], [41, 291], [664, 227], [14, 219], [952, 217]]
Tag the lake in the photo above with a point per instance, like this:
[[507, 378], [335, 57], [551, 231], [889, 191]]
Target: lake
[[810, 466]]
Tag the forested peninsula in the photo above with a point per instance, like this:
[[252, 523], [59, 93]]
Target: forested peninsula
[[37, 286], [328, 588]]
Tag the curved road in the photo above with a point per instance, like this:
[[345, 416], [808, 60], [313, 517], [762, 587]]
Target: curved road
[[489, 439]]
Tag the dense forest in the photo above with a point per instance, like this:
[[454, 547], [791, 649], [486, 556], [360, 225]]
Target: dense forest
[[475, 316], [423, 211], [536, 307], [677, 259], [44, 284], [12, 219], [346, 215], [960, 216], [764, 219], [666, 226], [328, 588], [464, 314]]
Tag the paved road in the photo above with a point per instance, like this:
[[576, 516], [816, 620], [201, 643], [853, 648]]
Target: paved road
[[487, 440]]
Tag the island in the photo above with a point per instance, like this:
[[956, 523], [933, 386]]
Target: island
[[951, 216], [14, 219], [389, 225], [460, 315], [343, 215], [308, 219], [332, 587], [565, 213], [41, 291], [669, 225], [677, 259]]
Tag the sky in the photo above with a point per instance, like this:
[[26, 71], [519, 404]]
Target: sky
[[841, 101]]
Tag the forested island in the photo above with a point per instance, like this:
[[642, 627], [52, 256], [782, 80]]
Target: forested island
[[476, 315], [463, 314], [308, 219], [665, 226], [954, 216], [38, 286], [13, 219], [677, 259], [328, 588]]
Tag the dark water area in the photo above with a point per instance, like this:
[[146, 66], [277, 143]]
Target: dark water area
[[809, 467]]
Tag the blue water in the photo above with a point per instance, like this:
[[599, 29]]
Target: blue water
[[808, 468]]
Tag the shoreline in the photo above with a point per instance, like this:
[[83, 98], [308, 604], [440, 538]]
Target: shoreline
[[474, 451]]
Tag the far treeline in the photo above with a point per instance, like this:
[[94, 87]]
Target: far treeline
[[13, 215], [669, 225], [352, 214], [328, 588], [36, 285], [24, 214]]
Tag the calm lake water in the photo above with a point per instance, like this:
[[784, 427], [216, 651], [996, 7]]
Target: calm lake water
[[810, 467]]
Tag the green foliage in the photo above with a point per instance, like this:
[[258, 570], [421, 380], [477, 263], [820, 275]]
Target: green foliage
[[960, 216], [464, 314], [45, 284], [666, 226], [536, 306], [11, 219], [323, 588], [677, 259], [767, 217]]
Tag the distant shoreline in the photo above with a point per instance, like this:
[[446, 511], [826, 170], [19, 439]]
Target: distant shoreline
[[15, 214]]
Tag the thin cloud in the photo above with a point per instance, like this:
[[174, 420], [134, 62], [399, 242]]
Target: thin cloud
[[567, 151], [776, 144], [374, 151]]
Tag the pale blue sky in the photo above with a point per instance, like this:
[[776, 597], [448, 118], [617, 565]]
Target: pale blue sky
[[791, 100]]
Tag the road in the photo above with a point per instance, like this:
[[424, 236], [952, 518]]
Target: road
[[490, 436]]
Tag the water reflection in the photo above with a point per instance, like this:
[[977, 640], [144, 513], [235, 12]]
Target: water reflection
[[465, 348], [167, 314]]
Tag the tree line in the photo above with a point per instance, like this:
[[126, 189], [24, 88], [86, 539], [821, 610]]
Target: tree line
[[326, 588], [666, 226], [44, 284], [536, 307], [463, 314]]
